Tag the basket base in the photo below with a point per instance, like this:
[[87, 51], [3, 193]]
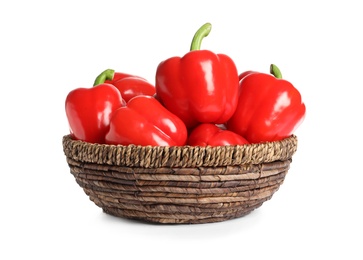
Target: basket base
[[179, 214], [159, 220]]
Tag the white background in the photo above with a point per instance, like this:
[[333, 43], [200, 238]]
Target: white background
[[49, 48]]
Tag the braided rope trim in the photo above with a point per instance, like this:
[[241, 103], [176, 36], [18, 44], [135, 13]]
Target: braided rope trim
[[178, 156]]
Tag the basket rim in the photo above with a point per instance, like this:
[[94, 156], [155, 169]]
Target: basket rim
[[179, 156]]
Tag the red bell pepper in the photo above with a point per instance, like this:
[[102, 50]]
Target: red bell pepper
[[200, 87], [129, 85], [89, 110], [145, 121], [269, 107], [213, 135]]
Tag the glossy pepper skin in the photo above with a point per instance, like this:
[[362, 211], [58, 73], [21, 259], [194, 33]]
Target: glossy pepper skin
[[201, 86], [89, 110], [145, 121], [269, 107], [207, 134], [130, 85]]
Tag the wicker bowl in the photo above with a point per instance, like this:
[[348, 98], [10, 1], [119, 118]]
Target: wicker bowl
[[179, 184]]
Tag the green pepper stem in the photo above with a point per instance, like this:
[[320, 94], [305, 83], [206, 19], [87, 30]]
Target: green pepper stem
[[199, 35], [274, 70], [105, 75]]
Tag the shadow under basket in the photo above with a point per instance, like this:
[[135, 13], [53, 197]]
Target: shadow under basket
[[179, 184]]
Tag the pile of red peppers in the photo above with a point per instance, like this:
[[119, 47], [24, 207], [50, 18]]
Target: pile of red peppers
[[199, 99]]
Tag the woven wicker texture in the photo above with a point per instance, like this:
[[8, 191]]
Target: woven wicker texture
[[179, 184]]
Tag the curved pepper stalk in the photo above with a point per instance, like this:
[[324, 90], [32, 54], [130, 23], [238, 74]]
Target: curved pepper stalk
[[105, 75], [274, 70], [199, 35]]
